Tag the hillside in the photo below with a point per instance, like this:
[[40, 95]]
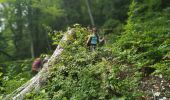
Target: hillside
[[131, 65], [136, 66]]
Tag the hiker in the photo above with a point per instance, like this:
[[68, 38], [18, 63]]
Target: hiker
[[94, 40], [36, 66]]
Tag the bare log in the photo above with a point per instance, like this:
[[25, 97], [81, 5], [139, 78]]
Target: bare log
[[41, 77]]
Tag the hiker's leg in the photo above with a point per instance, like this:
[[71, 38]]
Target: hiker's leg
[[89, 47], [93, 47]]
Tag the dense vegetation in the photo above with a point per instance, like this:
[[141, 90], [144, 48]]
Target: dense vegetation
[[133, 64]]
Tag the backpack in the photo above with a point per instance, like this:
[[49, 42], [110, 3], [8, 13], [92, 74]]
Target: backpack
[[36, 64]]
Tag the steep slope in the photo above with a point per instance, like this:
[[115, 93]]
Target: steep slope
[[107, 73], [136, 66], [145, 45]]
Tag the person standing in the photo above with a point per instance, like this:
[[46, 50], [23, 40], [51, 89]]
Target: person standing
[[93, 40]]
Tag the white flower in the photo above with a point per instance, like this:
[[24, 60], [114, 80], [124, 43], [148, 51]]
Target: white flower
[[163, 87], [157, 93], [164, 98], [160, 76]]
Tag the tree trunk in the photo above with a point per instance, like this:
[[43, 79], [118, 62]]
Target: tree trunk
[[32, 49], [30, 27], [90, 13], [36, 82]]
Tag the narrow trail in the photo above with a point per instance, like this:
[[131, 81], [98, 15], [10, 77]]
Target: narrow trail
[[37, 81]]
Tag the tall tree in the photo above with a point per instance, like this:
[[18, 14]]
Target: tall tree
[[90, 13]]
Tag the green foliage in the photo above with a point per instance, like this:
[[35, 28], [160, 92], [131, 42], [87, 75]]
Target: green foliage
[[16, 74], [1, 80], [25, 22], [81, 74], [145, 40], [110, 24], [110, 72], [112, 30]]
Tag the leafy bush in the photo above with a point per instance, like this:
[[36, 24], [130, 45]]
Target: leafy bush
[[15, 74]]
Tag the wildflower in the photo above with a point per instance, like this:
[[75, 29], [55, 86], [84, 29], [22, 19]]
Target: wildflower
[[164, 98], [160, 76], [157, 94]]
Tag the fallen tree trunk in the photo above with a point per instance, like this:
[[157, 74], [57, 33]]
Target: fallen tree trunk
[[41, 77]]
